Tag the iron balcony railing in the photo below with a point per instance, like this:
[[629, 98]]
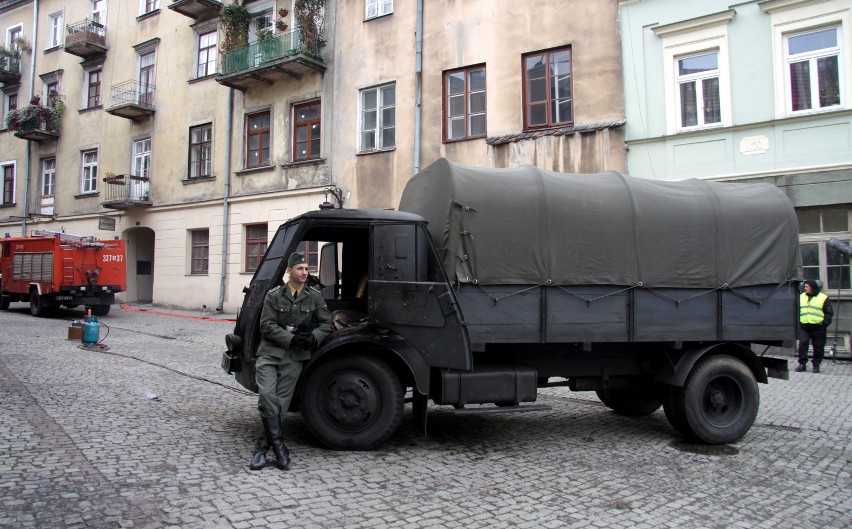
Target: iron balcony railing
[[86, 31], [126, 189], [10, 63], [287, 44], [132, 93]]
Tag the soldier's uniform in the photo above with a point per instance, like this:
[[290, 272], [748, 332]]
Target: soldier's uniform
[[284, 347]]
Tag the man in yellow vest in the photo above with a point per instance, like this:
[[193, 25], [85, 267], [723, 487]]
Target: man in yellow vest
[[815, 314]]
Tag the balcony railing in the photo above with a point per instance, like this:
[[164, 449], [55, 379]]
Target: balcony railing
[[124, 191], [10, 68], [197, 9], [286, 55], [86, 39], [132, 100]]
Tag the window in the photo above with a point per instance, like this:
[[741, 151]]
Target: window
[[89, 182], [13, 33], [261, 20], [146, 79], [200, 150], [257, 139], [48, 186], [306, 131], [55, 30], [8, 184], [93, 89], [377, 8], [464, 103], [148, 6], [819, 260], [547, 88], [698, 90], [311, 250], [200, 251], [813, 69], [255, 245], [206, 54], [99, 11], [10, 102], [142, 158], [378, 118]]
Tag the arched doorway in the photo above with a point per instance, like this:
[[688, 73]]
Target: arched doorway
[[140, 264]]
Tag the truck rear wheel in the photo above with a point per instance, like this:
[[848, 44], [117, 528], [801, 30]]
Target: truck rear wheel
[[37, 305], [633, 401], [718, 403], [100, 310], [352, 402]]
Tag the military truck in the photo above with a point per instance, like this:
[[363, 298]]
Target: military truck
[[490, 284]]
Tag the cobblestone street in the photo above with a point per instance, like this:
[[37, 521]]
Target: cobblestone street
[[152, 433]]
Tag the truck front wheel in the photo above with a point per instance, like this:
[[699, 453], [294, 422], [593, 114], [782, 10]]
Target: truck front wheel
[[37, 305], [352, 402], [100, 310], [632, 401], [718, 403]]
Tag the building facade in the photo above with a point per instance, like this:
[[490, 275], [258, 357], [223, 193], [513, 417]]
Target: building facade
[[157, 124], [757, 91]]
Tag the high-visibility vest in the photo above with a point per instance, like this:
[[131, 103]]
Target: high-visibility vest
[[810, 310]]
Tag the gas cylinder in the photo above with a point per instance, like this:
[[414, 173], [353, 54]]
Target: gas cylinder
[[91, 330]]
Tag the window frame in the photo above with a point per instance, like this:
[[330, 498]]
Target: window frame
[[211, 51], [43, 179], [10, 102], [697, 79], [813, 82], [821, 239], [309, 124], [56, 30], [9, 176], [261, 134], [380, 8], [13, 32], [89, 172], [548, 83], [197, 244], [98, 15], [254, 241], [148, 6], [97, 85], [200, 145], [380, 128], [467, 71]]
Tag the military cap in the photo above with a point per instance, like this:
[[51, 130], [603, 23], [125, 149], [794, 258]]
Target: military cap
[[296, 258]]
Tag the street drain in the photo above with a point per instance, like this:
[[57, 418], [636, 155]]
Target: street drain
[[705, 450]]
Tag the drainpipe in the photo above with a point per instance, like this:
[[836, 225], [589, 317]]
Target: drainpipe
[[418, 83], [225, 203], [27, 168]]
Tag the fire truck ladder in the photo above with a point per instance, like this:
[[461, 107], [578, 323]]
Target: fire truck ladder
[[66, 238]]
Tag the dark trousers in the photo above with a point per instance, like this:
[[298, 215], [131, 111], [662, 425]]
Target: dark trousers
[[815, 335]]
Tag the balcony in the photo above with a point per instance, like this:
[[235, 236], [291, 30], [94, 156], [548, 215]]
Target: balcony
[[286, 56], [10, 68], [34, 130], [132, 100], [126, 191], [86, 39], [197, 9]]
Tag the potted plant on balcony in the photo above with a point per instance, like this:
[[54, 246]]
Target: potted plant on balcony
[[309, 21], [236, 19], [112, 178], [9, 59], [36, 116]]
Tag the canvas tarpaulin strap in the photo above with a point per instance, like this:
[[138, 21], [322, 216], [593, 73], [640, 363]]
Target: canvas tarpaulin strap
[[525, 225]]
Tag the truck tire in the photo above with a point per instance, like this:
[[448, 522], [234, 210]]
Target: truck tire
[[717, 404], [37, 306], [352, 402], [100, 310], [4, 302], [633, 401]]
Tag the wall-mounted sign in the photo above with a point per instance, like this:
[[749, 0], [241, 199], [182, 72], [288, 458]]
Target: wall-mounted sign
[[106, 223]]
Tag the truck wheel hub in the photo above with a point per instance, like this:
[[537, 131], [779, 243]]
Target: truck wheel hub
[[351, 400]]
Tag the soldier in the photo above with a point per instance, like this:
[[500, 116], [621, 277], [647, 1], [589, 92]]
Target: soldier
[[289, 313]]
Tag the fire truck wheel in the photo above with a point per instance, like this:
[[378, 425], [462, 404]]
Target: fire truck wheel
[[4, 303], [37, 307], [100, 310], [352, 402]]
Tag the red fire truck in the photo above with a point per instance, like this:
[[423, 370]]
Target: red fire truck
[[51, 269]]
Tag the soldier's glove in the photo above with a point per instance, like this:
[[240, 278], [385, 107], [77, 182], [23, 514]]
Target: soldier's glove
[[302, 340]]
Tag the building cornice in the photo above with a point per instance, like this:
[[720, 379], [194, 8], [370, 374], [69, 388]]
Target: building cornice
[[694, 24], [774, 6], [6, 5]]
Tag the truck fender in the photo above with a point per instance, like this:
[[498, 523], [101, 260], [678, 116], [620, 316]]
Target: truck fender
[[37, 288], [685, 364], [379, 342]]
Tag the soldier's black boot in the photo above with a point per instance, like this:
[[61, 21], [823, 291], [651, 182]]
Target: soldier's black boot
[[273, 431], [258, 460]]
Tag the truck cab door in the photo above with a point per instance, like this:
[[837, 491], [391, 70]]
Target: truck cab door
[[409, 294]]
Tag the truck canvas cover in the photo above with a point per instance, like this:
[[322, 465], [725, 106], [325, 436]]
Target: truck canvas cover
[[525, 225]]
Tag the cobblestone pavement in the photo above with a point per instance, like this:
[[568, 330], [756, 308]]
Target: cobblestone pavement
[[151, 433]]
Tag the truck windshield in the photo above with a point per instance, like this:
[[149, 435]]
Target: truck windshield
[[275, 254]]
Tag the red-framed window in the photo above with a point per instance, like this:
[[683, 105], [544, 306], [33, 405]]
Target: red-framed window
[[464, 103], [306, 131], [258, 134], [200, 251], [548, 99], [256, 235]]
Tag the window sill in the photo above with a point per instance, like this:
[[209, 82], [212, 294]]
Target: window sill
[[12, 205], [467, 138], [53, 49], [147, 15], [378, 17], [89, 109], [91, 194], [375, 151], [197, 180], [302, 163], [253, 170], [203, 78]]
